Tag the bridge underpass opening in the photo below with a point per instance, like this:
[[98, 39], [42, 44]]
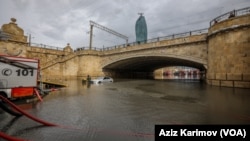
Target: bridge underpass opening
[[144, 66], [178, 72]]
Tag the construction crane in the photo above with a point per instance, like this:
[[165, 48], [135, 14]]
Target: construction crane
[[94, 24]]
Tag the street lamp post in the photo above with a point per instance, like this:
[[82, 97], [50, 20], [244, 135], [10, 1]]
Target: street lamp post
[[29, 39]]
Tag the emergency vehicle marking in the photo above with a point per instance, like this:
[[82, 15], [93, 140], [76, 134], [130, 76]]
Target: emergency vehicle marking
[[25, 72], [6, 72], [18, 76]]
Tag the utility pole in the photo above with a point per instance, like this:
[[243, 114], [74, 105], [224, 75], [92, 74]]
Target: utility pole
[[29, 39], [91, 35], [92, 24]]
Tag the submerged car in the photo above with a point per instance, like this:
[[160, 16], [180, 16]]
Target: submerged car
[[102, 80]]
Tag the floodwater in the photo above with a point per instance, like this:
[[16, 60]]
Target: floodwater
[[127, 110]]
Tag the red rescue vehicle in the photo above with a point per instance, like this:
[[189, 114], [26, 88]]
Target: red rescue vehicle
[[18, 76]]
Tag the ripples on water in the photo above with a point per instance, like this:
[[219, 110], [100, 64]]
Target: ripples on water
[[129, 109]]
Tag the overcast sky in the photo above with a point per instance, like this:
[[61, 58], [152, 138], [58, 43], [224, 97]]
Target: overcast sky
[[58, 22]]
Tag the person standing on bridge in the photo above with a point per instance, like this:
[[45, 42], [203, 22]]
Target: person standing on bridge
[[232, 14]]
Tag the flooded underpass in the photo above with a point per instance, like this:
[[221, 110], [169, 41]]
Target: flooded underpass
[[127, 110]]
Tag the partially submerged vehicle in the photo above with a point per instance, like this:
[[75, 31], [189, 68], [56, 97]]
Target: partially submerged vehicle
[[102, 79]]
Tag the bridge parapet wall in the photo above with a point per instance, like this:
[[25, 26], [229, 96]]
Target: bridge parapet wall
[[229, 53], [177, 39], [193, 48], [13, 48], [44, 54]]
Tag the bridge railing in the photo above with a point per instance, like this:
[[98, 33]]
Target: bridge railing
[[45, 46], [87, 48], [231, 14], [169, 37]]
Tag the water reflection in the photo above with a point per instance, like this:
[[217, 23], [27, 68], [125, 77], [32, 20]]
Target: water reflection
[[178, 72], [179, 76], [86, 83], [8, 125], [135, 106]]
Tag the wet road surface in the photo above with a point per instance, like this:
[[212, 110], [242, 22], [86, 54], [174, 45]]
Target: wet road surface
[[127, 110]]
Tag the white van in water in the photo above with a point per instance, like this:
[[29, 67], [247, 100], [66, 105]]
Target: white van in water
[[102, 80]]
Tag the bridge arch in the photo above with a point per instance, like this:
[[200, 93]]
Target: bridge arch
[[147, 64]]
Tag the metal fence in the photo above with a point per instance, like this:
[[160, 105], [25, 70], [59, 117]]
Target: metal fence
[[169, 37], [87, 48], [231, 14], [45, 46]]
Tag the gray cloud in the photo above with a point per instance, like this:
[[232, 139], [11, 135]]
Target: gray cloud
[[67, 21]]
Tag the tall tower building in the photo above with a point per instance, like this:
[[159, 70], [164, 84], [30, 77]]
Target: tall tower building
[[141, 29]]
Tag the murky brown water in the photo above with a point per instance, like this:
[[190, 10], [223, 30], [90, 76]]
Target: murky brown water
[[128, 110]]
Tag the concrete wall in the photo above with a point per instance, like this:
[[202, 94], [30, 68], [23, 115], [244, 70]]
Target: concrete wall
[[229, 53], [89, 65], [13, 48], [44, 54]]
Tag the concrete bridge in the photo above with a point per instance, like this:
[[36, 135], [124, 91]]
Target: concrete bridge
[[137, 59], [187, 49], [221, 52]]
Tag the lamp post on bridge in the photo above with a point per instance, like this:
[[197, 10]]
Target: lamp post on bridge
[[91, 34], [30, 39]]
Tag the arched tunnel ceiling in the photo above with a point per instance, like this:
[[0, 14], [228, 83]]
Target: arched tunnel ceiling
[[150, 63]]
